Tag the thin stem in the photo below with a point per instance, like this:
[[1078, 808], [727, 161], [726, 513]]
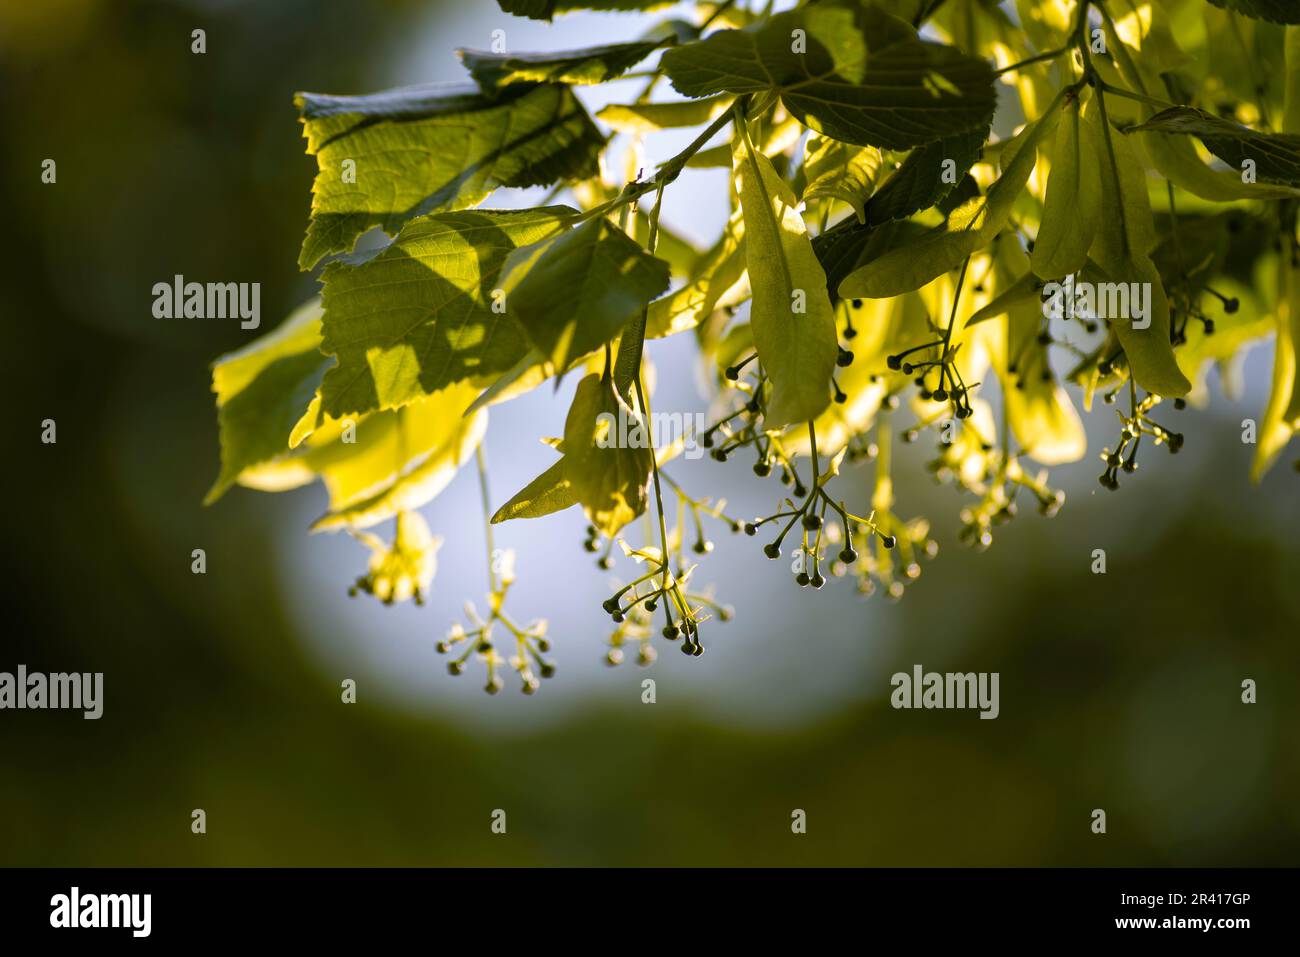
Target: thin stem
[[1050, 55], [722, 8], [480, 459], [1140, 97], [659, 495], [812, 441]]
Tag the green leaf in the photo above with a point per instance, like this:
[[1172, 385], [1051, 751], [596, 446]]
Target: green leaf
[[610, 482], [836, 170], [377, 465], [1039, 410], [1073, 201], [720, 269], [550, 492], [546, 9], [1026, 289], [1281, 417], [1173, 155], [263, 390], [674, 249], [920, 182], [1276, 11], [794, 323], [431, 438], [652, 117], [865, 77], [388, 157], [593, 65], [1276, 155], [850, 245], [574, 292], [969, 228], [421, 315], [1121, 249]]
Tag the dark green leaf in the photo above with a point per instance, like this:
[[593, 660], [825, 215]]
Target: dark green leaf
[[1277, 11], [851, 245], [1276, 155], [593, 65], [865, 77], [924, 179], [546, 9]]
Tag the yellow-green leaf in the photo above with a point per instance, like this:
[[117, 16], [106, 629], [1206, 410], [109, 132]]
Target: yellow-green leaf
[[1073, 201], [794, 324], [1121, 249], [263, 390]]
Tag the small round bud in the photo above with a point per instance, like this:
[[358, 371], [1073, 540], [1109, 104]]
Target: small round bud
[[772, 550]]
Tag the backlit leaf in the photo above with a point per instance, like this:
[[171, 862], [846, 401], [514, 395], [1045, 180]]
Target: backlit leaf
[[797, 349], [421, 315], [388, 157], [651, 117], [1073, 201], [1121, 249], [574, 292], [263, 390]]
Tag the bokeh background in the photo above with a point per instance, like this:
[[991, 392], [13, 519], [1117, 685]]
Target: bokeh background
[[1119, 691]]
